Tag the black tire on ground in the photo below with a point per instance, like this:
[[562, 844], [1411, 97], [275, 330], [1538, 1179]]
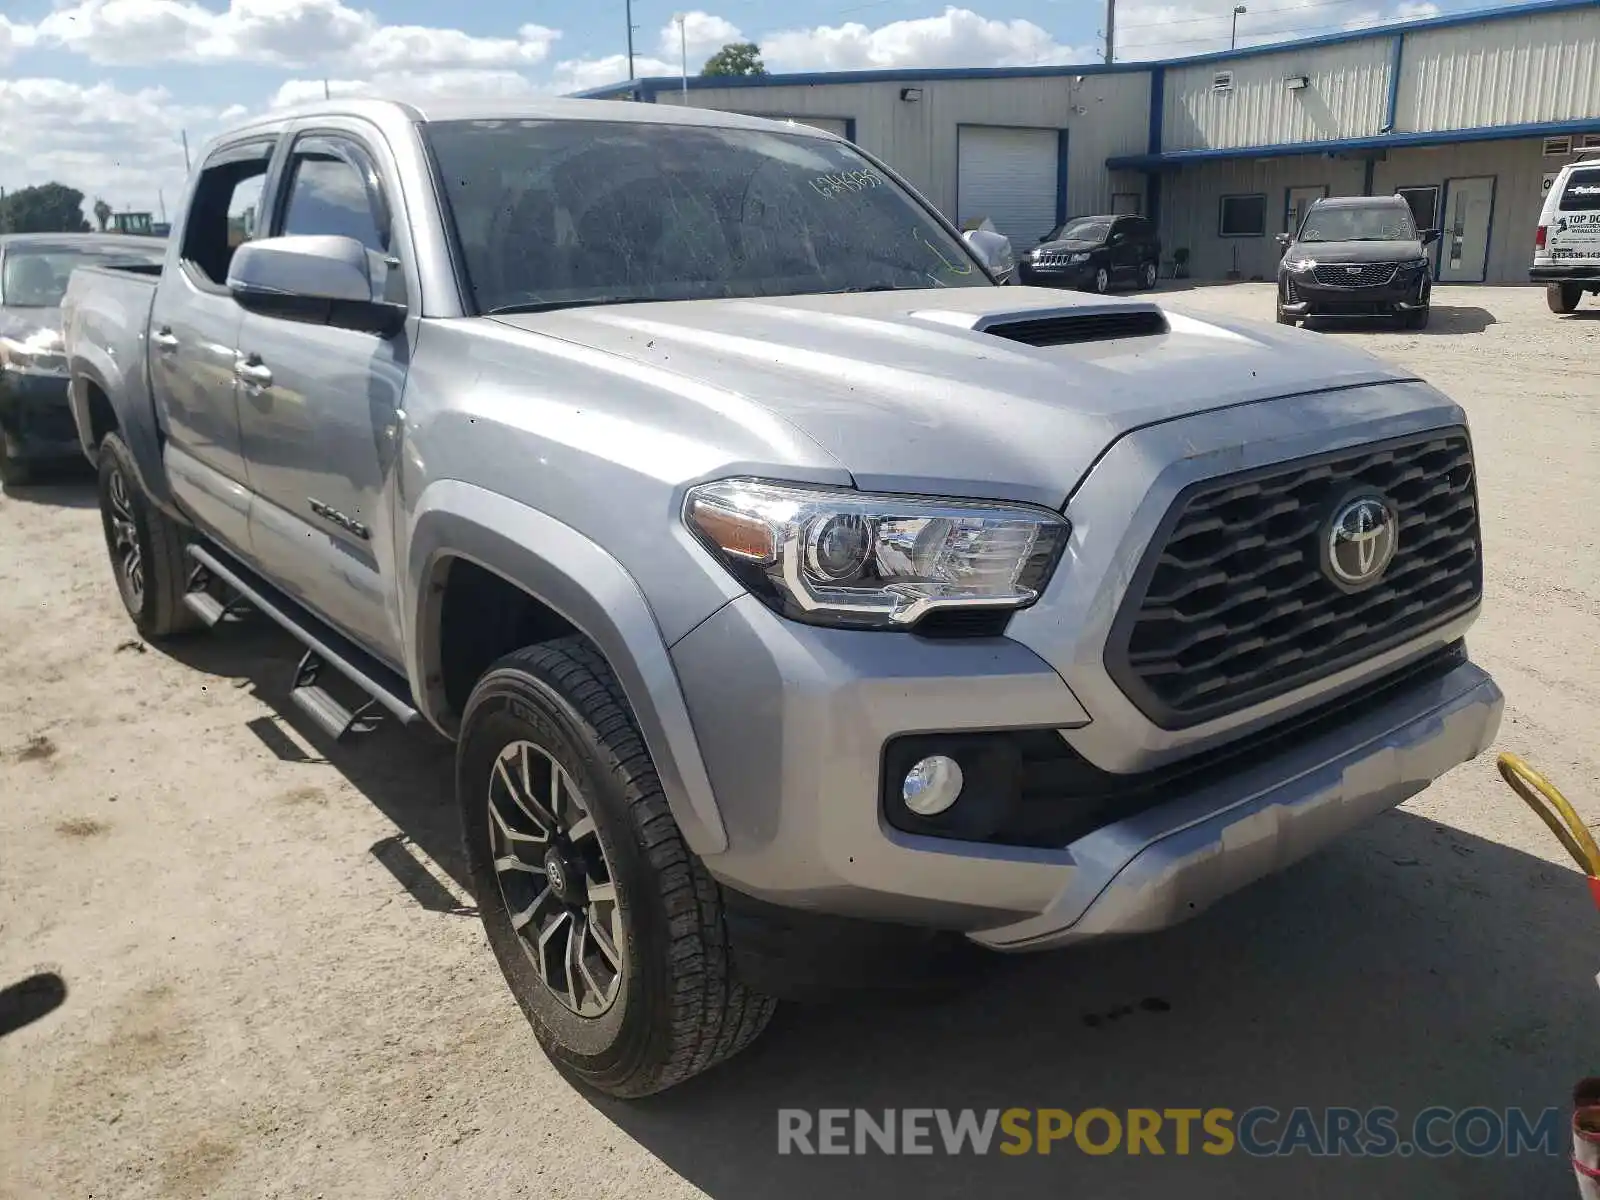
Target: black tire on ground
[[1101, 283], [153, 592], [1417, 318], [1562, 297], [1148, 274], [14, 472], [677, 1008]]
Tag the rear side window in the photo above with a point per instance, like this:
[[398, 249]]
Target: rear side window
[[227, 201], [1582, 193]]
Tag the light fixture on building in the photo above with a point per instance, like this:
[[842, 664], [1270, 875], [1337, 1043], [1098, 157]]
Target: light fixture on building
[[911, 95], [1295, 82]]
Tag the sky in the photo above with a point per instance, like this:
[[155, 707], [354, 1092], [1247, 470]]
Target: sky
[[98, 94]]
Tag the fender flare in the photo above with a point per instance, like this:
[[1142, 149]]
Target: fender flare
[[136, 422], [571, 574]]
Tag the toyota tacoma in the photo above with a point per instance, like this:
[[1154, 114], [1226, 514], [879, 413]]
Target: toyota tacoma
[[803, 606]]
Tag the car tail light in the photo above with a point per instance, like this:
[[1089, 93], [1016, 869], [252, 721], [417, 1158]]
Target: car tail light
[[1538, 237]]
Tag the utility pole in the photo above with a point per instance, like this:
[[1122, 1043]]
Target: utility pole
[[186, 151], [683, 49], [1111, 31], [325, 94], [1238, 11], [628, 8]]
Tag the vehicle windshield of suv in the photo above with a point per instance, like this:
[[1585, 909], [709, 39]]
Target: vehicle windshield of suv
[[37, 278], [551, 214], [1390, 223], [1081, 229]]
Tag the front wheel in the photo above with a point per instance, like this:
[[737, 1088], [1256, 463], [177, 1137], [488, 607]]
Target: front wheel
[[14, 471], [1102, 281], [1147, 276], [1562, 297], [607, 928], [146, 547]]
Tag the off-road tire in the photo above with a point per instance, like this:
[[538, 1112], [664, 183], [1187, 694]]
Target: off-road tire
[[157, 609], [679, 1010], [1562, 297]]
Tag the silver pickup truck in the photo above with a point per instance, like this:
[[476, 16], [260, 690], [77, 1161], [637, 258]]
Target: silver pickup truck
[[805, 608]]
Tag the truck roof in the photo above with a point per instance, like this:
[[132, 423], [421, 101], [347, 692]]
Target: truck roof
[[532, 109], [1358, 202]]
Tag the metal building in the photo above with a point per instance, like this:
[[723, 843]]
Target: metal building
[[1470, 116]]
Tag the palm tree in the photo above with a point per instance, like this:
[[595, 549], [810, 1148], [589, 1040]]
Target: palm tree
[[102, 214]]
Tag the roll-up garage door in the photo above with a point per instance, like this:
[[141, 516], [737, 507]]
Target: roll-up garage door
[[1009, 176]]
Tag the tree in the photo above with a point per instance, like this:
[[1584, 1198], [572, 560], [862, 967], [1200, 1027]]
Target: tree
[[736, 58], [48, 208], [102, 214]]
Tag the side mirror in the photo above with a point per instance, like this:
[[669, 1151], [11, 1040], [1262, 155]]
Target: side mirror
[[322, 280], [1429, 236], [993, 251], [1283, 239]]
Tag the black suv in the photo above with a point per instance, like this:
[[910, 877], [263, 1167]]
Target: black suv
[[1356, 255], [1094, 253]]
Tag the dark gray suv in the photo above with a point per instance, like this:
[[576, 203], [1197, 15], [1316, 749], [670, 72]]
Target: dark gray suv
[[1356, 256]]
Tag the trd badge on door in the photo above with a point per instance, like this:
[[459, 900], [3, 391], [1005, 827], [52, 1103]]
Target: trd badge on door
[[338, 518]]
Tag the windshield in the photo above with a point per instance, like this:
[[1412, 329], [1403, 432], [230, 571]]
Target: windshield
[[1582, 193], [1389, 223], [37, 278], [553, 213], [1082, 229]]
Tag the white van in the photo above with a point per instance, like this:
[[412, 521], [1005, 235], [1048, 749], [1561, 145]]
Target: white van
[[1566, 248]]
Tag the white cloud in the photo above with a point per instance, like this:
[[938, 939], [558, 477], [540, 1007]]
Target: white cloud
[[123, 145], [415, 85], [1146, 31], [280, 32], [580, 74], [13, 38], [704, 35], [958, 37]]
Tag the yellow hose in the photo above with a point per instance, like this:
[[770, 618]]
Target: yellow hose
[[1542, 796]]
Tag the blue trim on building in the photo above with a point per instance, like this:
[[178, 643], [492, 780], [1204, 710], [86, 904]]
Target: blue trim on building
[[1397, 54], [1158, 107], [1062, 174], [644, 89], [1391, 141]]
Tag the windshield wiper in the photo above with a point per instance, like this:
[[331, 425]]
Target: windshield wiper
[[535, 306]]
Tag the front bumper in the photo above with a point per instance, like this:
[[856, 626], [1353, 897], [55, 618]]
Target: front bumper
[[1074, 275], [1305, 296], [793, 721], [36, 417]]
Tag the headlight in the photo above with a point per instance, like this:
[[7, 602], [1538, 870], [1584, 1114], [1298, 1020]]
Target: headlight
[[1079, 258], [838, 557], [1301, 264], [39, 353]]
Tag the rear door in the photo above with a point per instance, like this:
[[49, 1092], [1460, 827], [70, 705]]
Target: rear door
[[1573, 234], [319, 408], [1125, 247], [194, 326]]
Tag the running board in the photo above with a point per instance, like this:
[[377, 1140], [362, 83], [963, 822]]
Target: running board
[[325, 648]]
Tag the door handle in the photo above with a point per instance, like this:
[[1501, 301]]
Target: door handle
[[253, 372], [165, 340]]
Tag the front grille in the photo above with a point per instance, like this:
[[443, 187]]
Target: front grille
[[1051, 258], [1231, 605], [1363, 275]]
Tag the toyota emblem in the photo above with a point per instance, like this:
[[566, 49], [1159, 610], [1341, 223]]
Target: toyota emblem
[[1360, 542]]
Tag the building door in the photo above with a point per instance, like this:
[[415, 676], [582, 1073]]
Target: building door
[[1424, 205], [1008, 176], [1298, 200], [1468, 210]]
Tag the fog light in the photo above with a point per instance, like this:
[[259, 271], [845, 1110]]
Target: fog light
[[932, 786]]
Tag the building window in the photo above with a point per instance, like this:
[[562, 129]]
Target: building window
[[1243, 216]]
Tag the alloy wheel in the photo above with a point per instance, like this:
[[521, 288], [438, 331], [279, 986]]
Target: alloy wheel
[[555, 879], [125, 539], [1148, 273], [1102, 280]]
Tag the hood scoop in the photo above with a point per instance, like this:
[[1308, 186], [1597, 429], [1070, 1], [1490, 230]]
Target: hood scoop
[[1071, 328]]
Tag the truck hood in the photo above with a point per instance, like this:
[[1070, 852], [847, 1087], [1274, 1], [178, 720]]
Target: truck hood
[[912, 391], [1342, 253]]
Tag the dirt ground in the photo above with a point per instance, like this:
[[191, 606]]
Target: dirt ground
[[274, 986]]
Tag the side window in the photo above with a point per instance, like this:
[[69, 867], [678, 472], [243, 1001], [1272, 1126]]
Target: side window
[[223, 212], [328, 195], [333, 190]]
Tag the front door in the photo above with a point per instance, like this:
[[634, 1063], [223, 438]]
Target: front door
[[319, 412], [1468, 210], [1297, 202]]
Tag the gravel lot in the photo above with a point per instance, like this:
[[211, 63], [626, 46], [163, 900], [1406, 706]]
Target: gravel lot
[[274, 987]]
